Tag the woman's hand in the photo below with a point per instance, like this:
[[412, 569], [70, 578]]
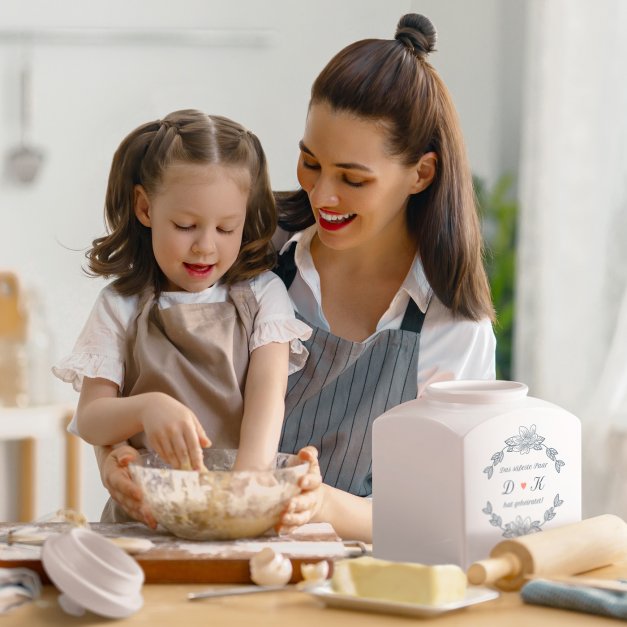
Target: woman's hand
[[117, 479], [305, 506]]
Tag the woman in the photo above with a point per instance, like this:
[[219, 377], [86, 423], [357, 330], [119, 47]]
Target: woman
[[385, 264]]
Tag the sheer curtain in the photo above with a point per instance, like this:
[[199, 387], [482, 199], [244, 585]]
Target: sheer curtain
[[571, 332]]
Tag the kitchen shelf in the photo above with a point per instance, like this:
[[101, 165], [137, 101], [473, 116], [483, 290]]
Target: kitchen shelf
[[186, 37]]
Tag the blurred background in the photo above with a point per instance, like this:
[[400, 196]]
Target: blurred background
[[539, 86]]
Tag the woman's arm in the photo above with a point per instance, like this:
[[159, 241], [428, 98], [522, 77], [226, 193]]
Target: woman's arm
[[172, 430], [350, 515], [264, 406]]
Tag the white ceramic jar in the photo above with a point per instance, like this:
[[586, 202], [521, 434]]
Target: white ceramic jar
[[469, 464]]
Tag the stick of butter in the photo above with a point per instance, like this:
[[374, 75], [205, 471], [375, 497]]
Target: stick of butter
[[399, 581]]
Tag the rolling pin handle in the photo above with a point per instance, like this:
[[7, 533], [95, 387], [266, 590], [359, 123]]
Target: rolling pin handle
[[490, 570]]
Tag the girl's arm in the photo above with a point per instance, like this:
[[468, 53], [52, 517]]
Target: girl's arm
[[172, 430], [264, 406], [350, 515]]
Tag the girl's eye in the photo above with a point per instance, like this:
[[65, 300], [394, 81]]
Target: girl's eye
[[181, 227], [226, 231], [310, 166], [353, 183]]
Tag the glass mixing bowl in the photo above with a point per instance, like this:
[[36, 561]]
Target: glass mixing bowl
[[220, 504]]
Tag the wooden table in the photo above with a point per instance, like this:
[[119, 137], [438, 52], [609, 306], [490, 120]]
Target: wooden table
[[168, 605]]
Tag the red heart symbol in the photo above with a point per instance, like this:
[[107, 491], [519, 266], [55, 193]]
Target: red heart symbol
[[523, 485]]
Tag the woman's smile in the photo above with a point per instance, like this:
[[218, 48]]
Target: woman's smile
[[344, 165], [332, 221]]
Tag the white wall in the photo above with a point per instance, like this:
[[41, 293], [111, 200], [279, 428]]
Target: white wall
[[479, 56], [87, 97]]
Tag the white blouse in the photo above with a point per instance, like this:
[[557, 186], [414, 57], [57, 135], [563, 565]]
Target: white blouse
[[100, 349], [450, 348]]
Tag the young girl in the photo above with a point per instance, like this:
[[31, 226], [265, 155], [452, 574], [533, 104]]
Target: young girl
[[189, 345]]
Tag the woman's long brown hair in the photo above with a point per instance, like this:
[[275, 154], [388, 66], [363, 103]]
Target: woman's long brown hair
[[391, 82]]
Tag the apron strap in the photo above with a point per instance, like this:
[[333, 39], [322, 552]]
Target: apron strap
[[286, 271], [286, 266], [413, 318]]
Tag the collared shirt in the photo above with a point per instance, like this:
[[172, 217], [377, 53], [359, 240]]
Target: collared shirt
[[450, 347]]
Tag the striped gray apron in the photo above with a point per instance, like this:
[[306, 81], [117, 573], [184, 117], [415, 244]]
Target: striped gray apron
[[332, 402]]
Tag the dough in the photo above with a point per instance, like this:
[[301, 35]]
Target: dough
[[133, 545]]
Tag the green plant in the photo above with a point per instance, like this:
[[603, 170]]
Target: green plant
[[499, 209]]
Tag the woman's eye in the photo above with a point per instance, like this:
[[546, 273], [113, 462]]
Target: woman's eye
[[310, 166]]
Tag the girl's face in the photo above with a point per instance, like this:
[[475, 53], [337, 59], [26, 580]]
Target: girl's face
[[358, 192], [197, 219]]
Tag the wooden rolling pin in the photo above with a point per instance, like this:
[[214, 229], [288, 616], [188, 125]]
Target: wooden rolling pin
[[566, 550]]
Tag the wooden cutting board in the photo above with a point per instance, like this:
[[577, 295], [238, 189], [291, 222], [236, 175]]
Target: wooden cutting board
[[174, 560]]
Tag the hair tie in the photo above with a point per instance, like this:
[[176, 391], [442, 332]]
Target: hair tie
[[167, 124]]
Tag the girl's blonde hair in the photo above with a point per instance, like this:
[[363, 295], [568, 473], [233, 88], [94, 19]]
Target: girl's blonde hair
[[186, 136]]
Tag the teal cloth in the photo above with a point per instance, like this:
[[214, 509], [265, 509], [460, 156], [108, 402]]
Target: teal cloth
[[579, 599]]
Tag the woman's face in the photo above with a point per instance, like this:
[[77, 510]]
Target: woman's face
[[358, 192]]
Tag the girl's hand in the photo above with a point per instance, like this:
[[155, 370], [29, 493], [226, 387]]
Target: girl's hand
[[173, 432], [117, 479], [305, 506]]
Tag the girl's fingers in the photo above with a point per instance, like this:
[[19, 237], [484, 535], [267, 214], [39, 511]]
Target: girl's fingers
[[180, 452], [164, 450], [193, 450], [203, 440]]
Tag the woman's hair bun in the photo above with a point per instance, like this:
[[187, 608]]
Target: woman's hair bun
[[417, 33]]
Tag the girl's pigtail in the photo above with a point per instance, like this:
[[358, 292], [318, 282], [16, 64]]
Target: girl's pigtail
[[126, 251], [257, 252]]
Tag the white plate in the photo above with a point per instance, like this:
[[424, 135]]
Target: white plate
[[324, 592]]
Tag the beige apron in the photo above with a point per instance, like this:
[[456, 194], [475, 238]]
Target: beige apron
[[198, 354]]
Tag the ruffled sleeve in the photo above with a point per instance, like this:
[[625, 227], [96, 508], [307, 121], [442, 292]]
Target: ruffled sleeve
[[284, 330], [100, 348], [276, 322], [74, 367]]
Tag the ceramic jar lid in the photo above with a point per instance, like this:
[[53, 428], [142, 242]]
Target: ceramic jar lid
[[93, 574]]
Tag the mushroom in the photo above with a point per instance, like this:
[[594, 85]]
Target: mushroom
[[268, 568]]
